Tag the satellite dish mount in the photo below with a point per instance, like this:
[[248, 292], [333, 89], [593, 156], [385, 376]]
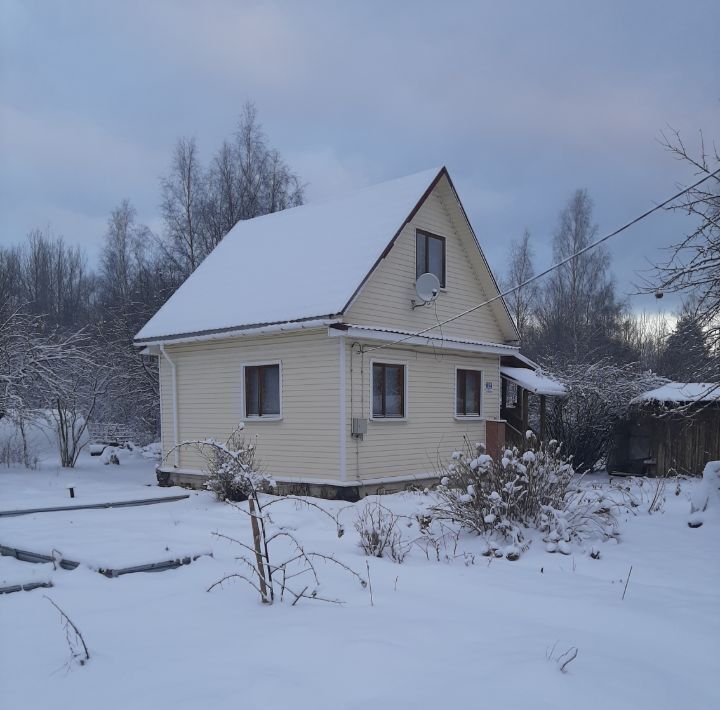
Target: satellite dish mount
[[427, 288]]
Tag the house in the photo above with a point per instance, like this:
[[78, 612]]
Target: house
[[305, 325], [672, 429]]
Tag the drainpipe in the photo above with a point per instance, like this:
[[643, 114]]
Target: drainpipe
[[343, 410], [176, 450]]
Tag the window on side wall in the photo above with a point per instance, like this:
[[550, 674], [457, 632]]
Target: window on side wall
[[262, 391], [430, 255], [388, 388], [468, 389]]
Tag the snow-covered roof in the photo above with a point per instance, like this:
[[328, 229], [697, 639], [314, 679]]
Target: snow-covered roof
[[302, 263], [682, 392], [533, 381]]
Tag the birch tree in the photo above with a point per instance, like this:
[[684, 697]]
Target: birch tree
[[523, 301], [182, 201], [578, 314]]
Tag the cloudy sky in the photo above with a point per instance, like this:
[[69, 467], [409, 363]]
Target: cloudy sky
[[524, 102]]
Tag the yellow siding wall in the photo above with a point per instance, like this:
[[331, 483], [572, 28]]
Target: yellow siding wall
[[305, 443], [431, 430], [385, 298]]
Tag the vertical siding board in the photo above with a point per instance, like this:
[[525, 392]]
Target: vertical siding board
[[431, 432], [305, 443]]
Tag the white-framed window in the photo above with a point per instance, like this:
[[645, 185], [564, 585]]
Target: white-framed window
[[388, 390], [262, 390], [468, 392]]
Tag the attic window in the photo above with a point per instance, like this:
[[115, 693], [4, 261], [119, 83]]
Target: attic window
[[430, 255], [262, 390]]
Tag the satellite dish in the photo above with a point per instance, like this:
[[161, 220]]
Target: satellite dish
[[427, 287]]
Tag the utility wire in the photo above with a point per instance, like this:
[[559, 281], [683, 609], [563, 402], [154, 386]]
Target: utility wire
[[582, 251]]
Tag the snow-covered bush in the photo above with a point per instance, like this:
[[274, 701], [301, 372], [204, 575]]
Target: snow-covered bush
[[233, 470], [231, 466], [380, 534], [534, 488], [598, 397]]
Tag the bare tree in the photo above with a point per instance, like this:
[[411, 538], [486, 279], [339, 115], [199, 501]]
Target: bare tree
[[222, 209], [578, 315], [246, 179], [48, 279], [598, 397], [83, 378], [692, 266], [132, 287], [182, 198], [40, 370], [25, 365], [643, 336], [522, 302], [124, 255]]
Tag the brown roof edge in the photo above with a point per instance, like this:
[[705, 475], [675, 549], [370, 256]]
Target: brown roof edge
[[386, 251]]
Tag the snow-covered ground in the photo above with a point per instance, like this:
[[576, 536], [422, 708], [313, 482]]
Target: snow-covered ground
[[92, 481], [469, 633]]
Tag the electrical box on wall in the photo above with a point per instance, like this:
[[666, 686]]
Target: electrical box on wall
[[359, 427]]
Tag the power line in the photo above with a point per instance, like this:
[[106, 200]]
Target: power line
[[582, 251]]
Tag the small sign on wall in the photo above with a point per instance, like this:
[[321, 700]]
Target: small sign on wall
[[488, 386]]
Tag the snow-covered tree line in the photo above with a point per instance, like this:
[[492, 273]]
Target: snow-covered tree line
[[66, 326]]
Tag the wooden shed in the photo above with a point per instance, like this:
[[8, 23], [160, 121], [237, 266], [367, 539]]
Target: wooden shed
[[672, 429]]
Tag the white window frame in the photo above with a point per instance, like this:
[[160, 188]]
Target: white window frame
[[243, 401], [406, 377], [469, 417], [428, 232]]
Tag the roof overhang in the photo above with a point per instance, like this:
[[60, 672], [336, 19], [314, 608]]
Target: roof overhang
[[430, 340], [676, 394], [260, 329], [519, 360], [533, 381]]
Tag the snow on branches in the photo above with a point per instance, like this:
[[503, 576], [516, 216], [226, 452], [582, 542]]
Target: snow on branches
[[599, 395], [232, 470], [276, 563], [535, 488]]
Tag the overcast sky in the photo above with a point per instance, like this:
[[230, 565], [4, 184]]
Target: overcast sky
[[523, 102]]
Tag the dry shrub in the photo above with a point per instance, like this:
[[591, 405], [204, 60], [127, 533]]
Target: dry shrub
[[380, 533], [266, 564]]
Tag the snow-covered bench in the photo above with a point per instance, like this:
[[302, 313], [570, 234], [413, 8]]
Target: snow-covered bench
[[104, 434]]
